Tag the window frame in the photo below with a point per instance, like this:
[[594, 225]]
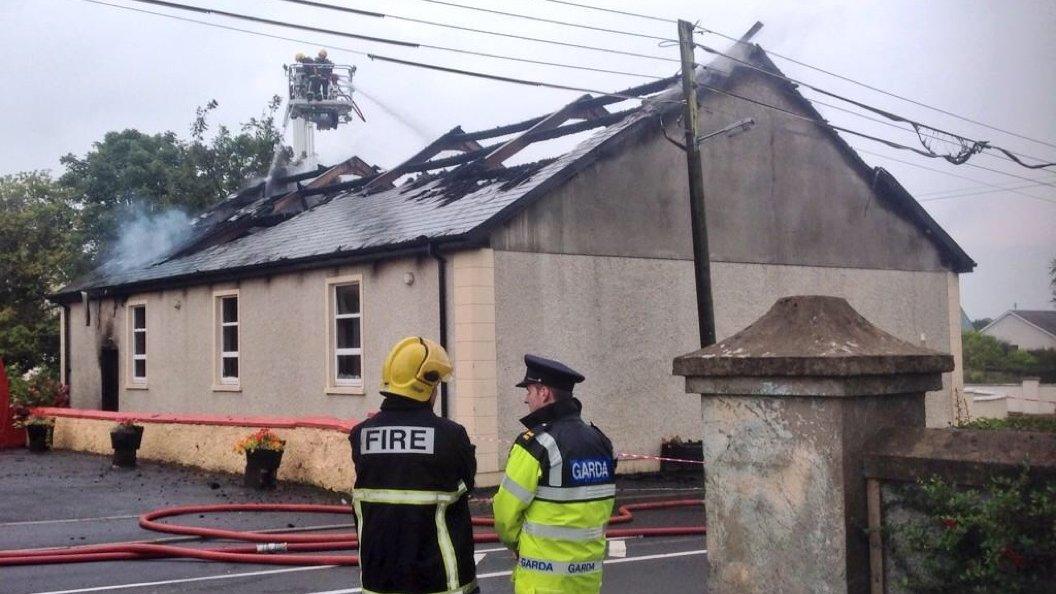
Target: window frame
[[135, 381], [332, 383], [223, 383]]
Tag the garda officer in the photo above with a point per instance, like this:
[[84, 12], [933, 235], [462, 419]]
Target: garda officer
[[558, 491], [413, 474]]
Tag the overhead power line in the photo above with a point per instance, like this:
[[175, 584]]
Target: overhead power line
[[812, 67], [403, 43], [973, 146], [951, 174], [964, 154], [969, 194], [963, 190], [355, 11], [830, 126], [528, 82], [383, 58], [548, 21]]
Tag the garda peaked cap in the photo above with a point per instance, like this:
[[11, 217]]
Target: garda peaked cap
[[548, 372]]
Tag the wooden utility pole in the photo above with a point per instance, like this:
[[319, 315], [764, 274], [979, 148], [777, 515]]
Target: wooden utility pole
[[701, 256]]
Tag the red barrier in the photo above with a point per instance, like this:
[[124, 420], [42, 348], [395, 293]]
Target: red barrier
[[9, 436]]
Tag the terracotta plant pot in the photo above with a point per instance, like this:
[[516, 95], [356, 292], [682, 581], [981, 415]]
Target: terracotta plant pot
[[39, 437], [262, 466], [126, 440]]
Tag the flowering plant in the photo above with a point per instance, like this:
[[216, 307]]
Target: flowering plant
[[128, 422], [263, 439], [31, 389]]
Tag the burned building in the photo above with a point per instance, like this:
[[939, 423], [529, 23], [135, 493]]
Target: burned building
[[285, 302]]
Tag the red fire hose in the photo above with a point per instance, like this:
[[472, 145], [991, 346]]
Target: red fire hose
[[287, 542]]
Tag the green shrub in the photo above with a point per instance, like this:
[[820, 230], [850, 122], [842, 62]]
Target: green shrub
[[998, 539], [1016, 423]]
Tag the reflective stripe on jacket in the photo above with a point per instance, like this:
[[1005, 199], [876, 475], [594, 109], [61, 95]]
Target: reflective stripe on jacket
[[413, 472], [555, 500]]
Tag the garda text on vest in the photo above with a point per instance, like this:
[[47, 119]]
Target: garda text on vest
[[586, 471], [397, 440]]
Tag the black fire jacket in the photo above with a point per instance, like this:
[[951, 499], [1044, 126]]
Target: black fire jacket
[[410, 462]]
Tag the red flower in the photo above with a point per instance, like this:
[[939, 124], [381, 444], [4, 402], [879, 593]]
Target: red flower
[[1017, 560], [949, 523]]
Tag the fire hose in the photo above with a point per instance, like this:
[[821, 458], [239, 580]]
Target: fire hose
[[274, 549]]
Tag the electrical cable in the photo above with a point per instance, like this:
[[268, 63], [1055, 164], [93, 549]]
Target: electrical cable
[[960, 190], [977, 145], [812, 67], [936, 198], [542, 20], [889, 143], [981, 182], [379, 57], [392, 41], [550, 85]]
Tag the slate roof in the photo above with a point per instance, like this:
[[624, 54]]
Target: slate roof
[[1043, 319], [458, 204]]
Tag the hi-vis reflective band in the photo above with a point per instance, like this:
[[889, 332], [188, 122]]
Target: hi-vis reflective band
[[524, 495], [564, 532], [405, 497], [559, 567], [552, 451], [463, 590], [585, 493], [397, 440]]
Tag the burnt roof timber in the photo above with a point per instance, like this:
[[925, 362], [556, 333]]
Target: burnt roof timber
[[558, 132], [516, 144], [587, 105], [444, 142], [351, 165]]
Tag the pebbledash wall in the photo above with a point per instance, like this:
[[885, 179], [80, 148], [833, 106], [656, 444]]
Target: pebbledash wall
[[599, 272], [283, 351], [283, 346]]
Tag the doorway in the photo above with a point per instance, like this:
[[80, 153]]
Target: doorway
[[108, 376]]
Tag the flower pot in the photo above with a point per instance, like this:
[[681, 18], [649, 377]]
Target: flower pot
[[262, 466], [39, 437], [126, 440]]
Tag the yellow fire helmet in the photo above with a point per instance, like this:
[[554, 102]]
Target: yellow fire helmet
[[414, 367]]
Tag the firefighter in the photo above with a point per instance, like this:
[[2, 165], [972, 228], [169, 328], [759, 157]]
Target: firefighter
[[558, 491], [414, 471], [324, 70]]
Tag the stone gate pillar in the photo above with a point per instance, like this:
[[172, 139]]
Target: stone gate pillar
[[787, 405]]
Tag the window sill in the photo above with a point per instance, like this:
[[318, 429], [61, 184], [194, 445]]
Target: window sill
[[346, 390], [137, 387], [227, 387]]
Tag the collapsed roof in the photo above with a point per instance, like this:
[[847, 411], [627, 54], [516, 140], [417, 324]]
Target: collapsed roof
[[356, 211]]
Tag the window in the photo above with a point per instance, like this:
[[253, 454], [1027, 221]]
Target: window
[[227, 338], [345, 335], [138, 317]]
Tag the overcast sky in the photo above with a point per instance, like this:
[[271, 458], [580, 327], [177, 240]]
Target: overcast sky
[[76, 70]]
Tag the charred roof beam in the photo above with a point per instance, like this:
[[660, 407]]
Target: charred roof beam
[[496, 157], [451, 141]]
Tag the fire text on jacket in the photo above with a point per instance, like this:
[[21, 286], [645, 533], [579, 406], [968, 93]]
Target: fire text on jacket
[[397, 440]]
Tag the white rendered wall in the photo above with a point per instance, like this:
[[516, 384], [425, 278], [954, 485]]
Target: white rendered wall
[[621, 322]]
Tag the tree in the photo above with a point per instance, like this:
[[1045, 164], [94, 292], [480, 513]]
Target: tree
[[981, 323], [39, 252], [130, 171], [52, 230]]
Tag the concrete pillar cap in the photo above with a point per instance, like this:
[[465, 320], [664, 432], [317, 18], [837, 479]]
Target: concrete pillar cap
[[815, 336]]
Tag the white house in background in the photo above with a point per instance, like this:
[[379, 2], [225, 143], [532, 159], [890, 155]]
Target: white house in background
[[1025, 329]]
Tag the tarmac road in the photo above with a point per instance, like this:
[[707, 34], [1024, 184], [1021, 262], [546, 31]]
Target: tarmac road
[[66, 499]]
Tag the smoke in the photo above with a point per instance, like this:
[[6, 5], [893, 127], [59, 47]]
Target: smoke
[[145, 236]]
